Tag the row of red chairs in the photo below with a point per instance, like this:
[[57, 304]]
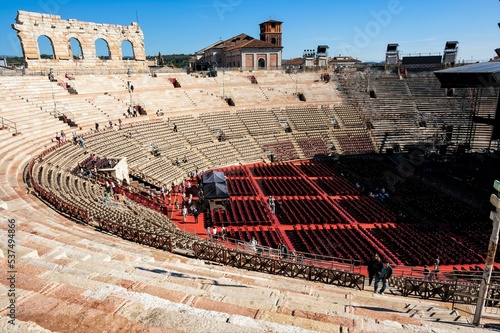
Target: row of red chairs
[[243, 212], [240, 186], [313, 146], [308, 211], [356, 144], [337, 186], [316, 169], [267, 238], [419, 247], [275, 170], [287, 186], [282, 151]]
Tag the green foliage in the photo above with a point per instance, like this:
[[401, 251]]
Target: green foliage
[[14, 61], [174, 60]]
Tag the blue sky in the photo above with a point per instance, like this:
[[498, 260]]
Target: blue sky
[[361, 28]]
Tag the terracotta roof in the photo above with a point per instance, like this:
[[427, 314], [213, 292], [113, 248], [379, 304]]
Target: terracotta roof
[[253, 44], [236, 40], [216, 44], [294, 61], [343, 59], [241, 41], [272, 21]]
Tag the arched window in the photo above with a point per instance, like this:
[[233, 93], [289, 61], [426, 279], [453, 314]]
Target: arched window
[[262, 63], [45, 48], [102, 49], [273, 40], [75, 49], [127, 50]]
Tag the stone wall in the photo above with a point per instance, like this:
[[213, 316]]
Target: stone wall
[[30, 26]]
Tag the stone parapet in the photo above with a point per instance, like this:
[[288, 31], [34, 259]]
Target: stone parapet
[[30, 26]]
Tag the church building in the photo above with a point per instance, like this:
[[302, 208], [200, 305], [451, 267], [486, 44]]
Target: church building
[[243, 51]]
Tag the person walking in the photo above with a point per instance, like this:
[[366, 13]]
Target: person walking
[[383, 275], [184, 213], [374, 260], [223, 233], [214, 231], [427, 272]]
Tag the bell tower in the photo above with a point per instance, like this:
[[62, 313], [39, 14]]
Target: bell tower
[[270, 31]]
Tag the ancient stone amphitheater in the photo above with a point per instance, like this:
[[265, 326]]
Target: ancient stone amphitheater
[[73, 275]]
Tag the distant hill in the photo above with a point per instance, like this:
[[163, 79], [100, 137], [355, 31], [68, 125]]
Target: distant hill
[[175, 60]]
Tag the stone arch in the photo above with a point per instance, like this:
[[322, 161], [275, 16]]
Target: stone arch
[[75, 49], [127, 50], [30, 26], [102, 49], [45, 47], [262, 63]]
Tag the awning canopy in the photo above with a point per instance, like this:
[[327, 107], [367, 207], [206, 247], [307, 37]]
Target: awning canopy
[[215, 190], [214, 177], [486, 74]]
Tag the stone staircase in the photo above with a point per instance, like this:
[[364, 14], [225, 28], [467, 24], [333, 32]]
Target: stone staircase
[[73, 278]]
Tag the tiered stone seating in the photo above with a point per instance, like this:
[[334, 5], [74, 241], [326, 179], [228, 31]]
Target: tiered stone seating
[[228, 123], [125, 278], [219, 153], [312, 144], [283, 94], [91, 84], [410, 110], [352, 141], [280, 145], [425, 87], [63, 265], [388, 87], [347, 114], [328, 92], [260, 121], [249, 149], [111, 143], [307, 118], [194, 131]]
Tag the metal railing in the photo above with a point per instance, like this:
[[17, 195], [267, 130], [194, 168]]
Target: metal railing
[[61, 112], [9, 124], [313, 259]]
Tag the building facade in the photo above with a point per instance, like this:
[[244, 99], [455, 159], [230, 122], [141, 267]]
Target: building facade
[[243, 51]]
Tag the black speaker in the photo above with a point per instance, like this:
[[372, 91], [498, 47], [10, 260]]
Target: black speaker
[[449, 132], [443, 149]]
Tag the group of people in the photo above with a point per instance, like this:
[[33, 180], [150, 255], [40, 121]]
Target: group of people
[[276, 206], [428, 275], [115, 126], [178, 162], [60, 137], [110, 190], [214, 234], [380, 271], [131, 112]]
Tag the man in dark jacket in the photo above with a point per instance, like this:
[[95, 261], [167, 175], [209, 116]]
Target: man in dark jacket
[[372, 267], [383, 275]]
